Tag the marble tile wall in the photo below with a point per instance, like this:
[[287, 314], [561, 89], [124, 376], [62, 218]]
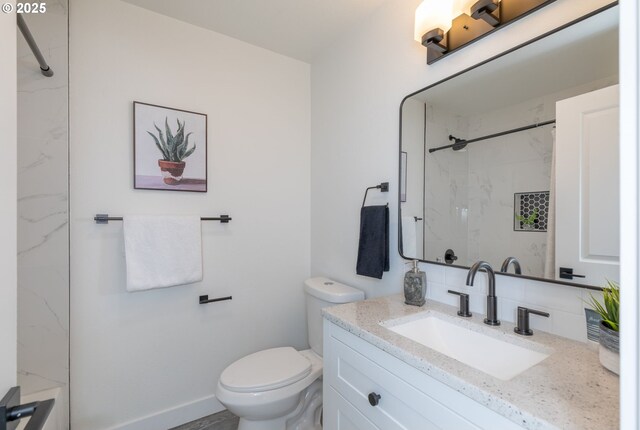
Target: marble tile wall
[[43, 234], [446, 197], [500, 167]]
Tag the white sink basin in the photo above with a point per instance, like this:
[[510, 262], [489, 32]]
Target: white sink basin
[[483, 352]]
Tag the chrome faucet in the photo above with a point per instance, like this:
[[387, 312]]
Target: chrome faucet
[[516, 265], [492, 300]]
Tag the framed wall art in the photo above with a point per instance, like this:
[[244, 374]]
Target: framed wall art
[[169, 149]]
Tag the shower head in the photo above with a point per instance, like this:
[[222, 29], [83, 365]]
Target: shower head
[[459, 144]]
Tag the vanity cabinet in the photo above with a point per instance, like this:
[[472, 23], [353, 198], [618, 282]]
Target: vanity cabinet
[[408, 398]]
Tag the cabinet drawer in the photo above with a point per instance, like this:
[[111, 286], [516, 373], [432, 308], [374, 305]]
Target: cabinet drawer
[[410, 399], [338, 414], [401, 405]]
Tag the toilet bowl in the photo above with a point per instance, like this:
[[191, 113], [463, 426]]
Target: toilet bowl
[[281, 388], [268, 400]]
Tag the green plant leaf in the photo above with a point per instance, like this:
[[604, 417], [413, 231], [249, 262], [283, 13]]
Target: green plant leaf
[[170, 140], [609, 311], [189, 152], [179, 140], [161, 136], [164, 154], [183, 148], [529, 220]]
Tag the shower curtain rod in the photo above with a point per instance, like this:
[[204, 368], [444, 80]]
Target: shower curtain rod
[[44, 67], [461, 143]]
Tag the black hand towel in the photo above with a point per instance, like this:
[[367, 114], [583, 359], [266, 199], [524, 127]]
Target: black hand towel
[[373, 249]]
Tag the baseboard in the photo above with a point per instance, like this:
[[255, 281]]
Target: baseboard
[[175, 416]]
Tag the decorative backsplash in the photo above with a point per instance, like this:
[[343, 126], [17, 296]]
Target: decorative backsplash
[[531, 211]]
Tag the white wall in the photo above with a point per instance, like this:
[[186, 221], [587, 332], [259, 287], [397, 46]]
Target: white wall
[[8, 121], [357, 87], [152, 359], [629, 216], [43, 235]]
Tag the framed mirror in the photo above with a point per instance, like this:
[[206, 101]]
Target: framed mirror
[[518, 157]]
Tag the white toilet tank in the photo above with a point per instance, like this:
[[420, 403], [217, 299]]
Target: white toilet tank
[[321, 293]]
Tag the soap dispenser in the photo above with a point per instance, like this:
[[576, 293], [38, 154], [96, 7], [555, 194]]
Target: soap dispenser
[[415, 285]]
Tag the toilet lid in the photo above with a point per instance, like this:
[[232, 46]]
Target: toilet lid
[[266, 370]]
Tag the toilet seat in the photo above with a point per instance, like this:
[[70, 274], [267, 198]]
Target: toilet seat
[[266, 370]]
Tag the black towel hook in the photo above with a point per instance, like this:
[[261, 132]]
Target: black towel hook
[[384, 187]]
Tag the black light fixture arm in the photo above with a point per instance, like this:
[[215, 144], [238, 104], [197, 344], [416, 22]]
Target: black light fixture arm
[[487, 10], [435, 39]]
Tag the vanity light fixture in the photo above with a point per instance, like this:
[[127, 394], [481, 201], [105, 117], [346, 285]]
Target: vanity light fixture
[[434, 18], [444, 26]]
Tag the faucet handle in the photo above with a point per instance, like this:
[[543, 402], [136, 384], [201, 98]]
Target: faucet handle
[[523, 320], [464, 303]]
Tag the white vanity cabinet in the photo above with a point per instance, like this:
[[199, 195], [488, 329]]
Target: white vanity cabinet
[[409, 399]]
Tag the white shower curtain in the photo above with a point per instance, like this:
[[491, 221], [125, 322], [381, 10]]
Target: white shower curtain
[[550, 258]]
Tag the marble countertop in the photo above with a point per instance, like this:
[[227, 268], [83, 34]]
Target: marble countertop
[[567, 390]]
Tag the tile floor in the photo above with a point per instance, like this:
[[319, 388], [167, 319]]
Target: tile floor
[[224, 420]]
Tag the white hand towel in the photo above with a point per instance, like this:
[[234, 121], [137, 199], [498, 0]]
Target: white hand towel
[[409, 237], [162, 251]]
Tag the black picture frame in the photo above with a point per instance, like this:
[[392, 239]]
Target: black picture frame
[[156, 129]]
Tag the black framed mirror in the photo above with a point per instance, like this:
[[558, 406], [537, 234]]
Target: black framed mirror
[[518, 157]]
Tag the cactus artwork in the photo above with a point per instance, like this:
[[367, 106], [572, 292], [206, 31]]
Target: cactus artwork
[[170, 148], [174, 147]]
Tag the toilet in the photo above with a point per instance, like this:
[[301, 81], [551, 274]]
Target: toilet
[[281, 388]]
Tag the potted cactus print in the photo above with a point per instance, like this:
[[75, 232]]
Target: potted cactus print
[[174, 149], [170, 149]]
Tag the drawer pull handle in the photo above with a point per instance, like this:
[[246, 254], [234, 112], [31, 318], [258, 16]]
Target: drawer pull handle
[[374, 399]]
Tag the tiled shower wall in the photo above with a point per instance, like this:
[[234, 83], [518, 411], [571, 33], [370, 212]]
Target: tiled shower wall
[[43, 235]]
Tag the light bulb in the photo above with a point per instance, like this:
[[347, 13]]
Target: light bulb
[[432, 14]]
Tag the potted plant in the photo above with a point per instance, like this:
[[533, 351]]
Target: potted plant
[[609, 337], [528, 221], [174, 150]]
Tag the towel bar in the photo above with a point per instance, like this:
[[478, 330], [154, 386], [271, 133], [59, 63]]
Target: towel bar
[[105, 218], [384, 187], [205, 299]]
